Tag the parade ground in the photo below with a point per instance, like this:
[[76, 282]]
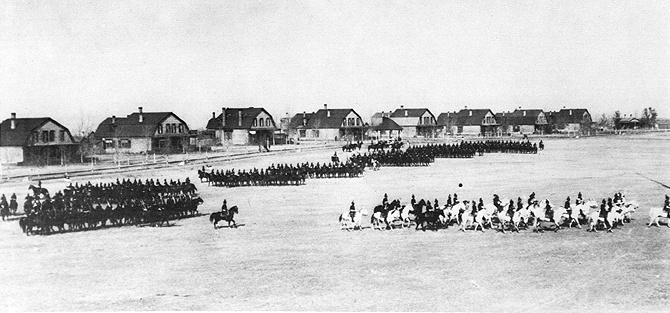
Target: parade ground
[[289, 252]]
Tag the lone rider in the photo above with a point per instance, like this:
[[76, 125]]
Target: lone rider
[[224, 208], [352, 211], [385, 201]]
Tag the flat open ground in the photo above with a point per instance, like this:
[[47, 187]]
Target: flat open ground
[[290, 253]]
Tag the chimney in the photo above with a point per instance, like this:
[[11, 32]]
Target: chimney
[[223, 117], [141, 117], [325, 106], [466, 107], [213, 114], [402, 106], [13, 121], [239, 118], [113, 119], [304, 118]]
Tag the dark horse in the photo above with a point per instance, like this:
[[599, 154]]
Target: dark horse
[[39, 190], [4, 211], [220, 216], [431, 219]]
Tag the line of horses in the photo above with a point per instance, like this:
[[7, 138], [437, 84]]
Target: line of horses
[[533, 216], [88, 207]]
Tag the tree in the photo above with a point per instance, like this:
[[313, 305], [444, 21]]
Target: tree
[[616, 119], [604, 121]]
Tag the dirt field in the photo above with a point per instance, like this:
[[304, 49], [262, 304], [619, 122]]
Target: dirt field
[[290, 254]]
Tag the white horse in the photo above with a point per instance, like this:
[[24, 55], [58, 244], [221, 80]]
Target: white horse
[[628, 209], [521, 215], [377, 218], [478, 220], [394, 216], [539, 214], [594, 217], [406, 216], [559, 214], [452, 213], [349, 224], [655, 214]]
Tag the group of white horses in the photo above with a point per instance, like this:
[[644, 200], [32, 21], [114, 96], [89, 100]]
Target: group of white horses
[[533, 215]]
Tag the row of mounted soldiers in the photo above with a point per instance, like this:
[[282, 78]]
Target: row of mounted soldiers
[[280, 175], [88, 206]]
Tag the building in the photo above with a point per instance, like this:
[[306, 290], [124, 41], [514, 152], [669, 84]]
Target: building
[[243, 126], [571, 121], [143, 132], [387, 129], [415, 122], [41, 141], [627, 122], [327, 124], [378, 118], [445, 122], [480, 122], [523, 121]]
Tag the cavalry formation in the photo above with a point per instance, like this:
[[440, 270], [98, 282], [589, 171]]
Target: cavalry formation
[[502, 215], [88, 206]]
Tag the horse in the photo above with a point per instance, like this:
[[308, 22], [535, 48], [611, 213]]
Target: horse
[[478, 220], [521, 215], [655, 214], [406, 216], [4, 212], [38, 191], [594, 218], [539, 214], [453, 213], [380, 214], [219, 216], [345, 219]]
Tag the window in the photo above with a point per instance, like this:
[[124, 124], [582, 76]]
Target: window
[[316, 133], [358, 122], [52, 135], [61, 136], [351, 122], [268, 123], [254, 122], [303, 133], [181, 128], [174, 128], [160, 129], [36, 137], [261, 122], [124, 143], [45, 136], [108, 143]]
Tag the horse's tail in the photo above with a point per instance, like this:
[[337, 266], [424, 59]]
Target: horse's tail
[[340, 219], [211, 217]]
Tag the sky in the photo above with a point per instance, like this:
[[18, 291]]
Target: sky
[[82, 61]]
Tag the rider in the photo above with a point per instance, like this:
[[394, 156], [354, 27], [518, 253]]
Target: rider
[[352, 210], [579, 199], [531, 198], [496, 202], [224, 208], [567, 207], [604, 212], [666, 205], [385, 201], [413, 201], [480, 205]]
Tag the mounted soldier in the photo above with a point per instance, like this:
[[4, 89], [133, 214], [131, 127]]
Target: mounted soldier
[[224, 208], [352, 211]]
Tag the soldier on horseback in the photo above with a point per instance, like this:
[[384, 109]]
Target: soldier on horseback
[[666, 205], [352, 211], [224, 208], [385, 201], [568, 209]]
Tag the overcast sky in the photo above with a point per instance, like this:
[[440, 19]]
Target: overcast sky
[[86, 60]]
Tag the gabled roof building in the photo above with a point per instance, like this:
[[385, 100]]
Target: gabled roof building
[[571, 121], [481, 122], [41, 141], [143, 132], [327, 124], [415, 122], [243, 126], [523, 121]]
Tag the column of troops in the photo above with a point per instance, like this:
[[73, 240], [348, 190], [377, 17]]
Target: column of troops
[[280, 175], [126, 202]]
